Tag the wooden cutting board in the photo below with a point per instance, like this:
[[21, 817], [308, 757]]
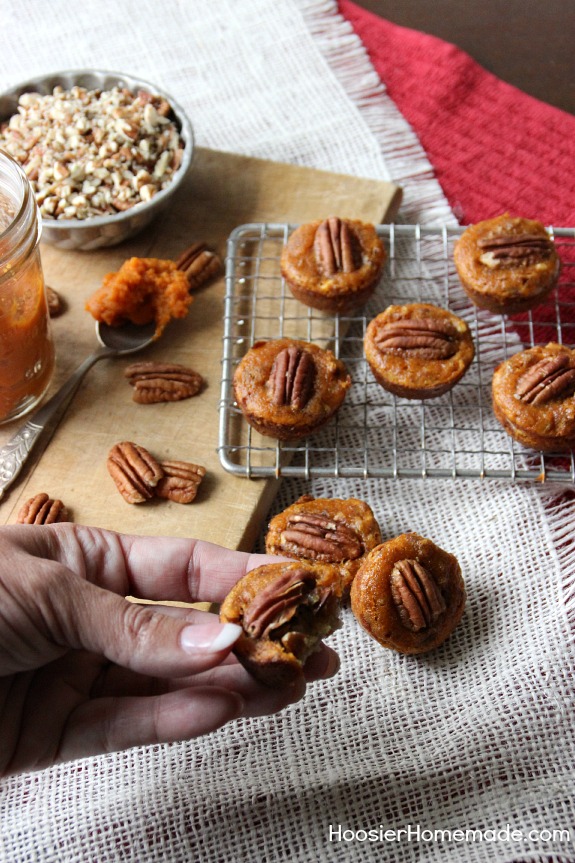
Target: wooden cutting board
[[223, 190]]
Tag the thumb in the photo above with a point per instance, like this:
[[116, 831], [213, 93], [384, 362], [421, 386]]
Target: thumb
[[140, 637]]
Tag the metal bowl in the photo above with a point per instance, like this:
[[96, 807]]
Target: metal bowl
[[108, 230]]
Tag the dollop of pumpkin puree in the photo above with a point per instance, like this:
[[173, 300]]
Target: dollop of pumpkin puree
[[141, 291]]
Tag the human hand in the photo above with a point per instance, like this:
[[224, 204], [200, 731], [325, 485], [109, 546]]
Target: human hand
[[84, 671]]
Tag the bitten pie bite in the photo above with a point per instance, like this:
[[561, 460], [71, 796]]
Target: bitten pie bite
[[409, 594], [534, 397], [507, 264], [285, 610], [325, 530], [333, 264], [418, 351], [287, 388]]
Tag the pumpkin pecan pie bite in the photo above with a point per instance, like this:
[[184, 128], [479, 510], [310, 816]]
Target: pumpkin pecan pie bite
[[534, 397], [333, 264], [285, 610], [409, 594], [287, 388], [418, 351], [325, 530], [507, 264]]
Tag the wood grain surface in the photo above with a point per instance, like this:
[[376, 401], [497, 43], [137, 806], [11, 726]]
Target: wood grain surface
[[222, 191]]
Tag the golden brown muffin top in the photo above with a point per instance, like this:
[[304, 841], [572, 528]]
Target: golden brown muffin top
[[293, 384], [327, 530], [408, 594], [418, 346]]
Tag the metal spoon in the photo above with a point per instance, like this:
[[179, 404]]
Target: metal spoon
[[114, 342]]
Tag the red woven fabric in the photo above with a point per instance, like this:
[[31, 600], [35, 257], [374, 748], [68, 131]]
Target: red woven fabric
[[494, 148]]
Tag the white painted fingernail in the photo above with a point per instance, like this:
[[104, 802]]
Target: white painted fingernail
[[211, 637]]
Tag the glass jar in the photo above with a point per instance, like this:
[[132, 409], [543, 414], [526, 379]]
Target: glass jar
[[26, 347]]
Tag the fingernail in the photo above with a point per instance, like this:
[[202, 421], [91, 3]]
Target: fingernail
[[211, 637]]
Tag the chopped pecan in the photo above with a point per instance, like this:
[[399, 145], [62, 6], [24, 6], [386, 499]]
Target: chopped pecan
[[292, 377], [522, 248], [181, 481], [416, 594], [427, 338], [297, 643], [277, 603], [336, 248], [550, 378], [42, 509], [200, 264], [319, 537], [134, 470], [162, 382]]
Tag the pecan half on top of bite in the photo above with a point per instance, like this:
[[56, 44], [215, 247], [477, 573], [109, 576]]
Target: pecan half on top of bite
[[288, 388], [409, 594], [328, 530], [333, 264], [513, 249], [418, 350], [550, 378], [285, 610]]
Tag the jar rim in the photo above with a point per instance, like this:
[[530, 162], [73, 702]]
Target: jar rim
[[22, 233]]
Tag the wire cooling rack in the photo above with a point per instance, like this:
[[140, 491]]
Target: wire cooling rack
[[376, 434]]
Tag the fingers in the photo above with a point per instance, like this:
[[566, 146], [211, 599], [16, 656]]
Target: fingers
[[94, 709], [112, 724], [261, 700], [185, 570], [143, 639], [322, 664], [138, 637], [108, 724], [116, 681]]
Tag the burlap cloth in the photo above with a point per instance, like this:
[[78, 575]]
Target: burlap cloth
[[466, 754]]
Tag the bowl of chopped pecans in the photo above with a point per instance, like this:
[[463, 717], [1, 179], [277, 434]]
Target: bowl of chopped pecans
[[104, 152]]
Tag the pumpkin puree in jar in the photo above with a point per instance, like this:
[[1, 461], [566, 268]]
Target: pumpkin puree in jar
[[26, 348], [143, 290]]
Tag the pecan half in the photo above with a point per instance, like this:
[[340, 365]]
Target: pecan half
[[522, 248], [292, 377], [336, 249], [200, 264], [42, 509], [416, 594], [427, 338], [162, 382], [550, 378], [276, 603], [134, 470], [180, 482], [318, 537], [55, 302]]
